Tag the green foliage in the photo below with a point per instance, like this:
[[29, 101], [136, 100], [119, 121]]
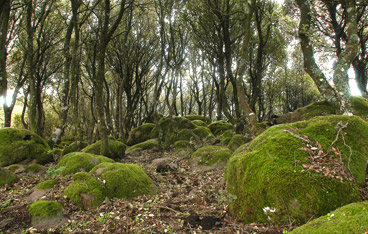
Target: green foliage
[[17, 145], [83, 182], [7, 177], [45, 208], [270, 173], [77, 161], [124, 180], [211, 156], [54, 172], [352, 218], [47, 184]]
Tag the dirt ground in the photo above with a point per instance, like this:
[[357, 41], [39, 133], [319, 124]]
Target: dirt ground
[[191, 200]]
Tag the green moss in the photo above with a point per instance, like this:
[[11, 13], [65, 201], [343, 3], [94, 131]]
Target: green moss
[[211, 156], [219, 127], [182, 146], [17, 145], [199, 135], [204, 134], [35, 168], [271, 173], [140, 133], [226, 136], [48, 184], [236, 141], [45, 208], [7, 177], [85, 183], [13, 167], [124, 180], [360, 106], [149, 144], [199, 123], [352, 218], [116, 149], [198, 117], [77, 161], [74, 147], [185, 135]]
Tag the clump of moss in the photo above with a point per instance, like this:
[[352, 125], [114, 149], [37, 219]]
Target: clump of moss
[[352, 218], [17, 145], [211, 156], [199, 123], [84, 183], [360, 106], [47, 184], [75, 146], [116, 149], [7, 177], [13, 167], [146, 145], [182, 146], [78, 161], [140, 133], [236, 141], [270, 176], [192, 118], [35, 168], [226, 136], [45, 208], [124, 180], [219, 127]]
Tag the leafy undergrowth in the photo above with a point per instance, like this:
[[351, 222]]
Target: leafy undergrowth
[[189, 201]]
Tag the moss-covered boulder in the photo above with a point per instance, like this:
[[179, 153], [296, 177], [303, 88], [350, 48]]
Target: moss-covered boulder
[[124, 180], [360, 106], [236, 141], [199, 123], [80, 161], [35, 169], [46, 215], [182, 146], [140, 133], [352, 218], [17, 145], [75, 146], [116, 149], [226, 137], [198, 136], [7, 177], [212, 155], [293, 172], [219, 127], [85, 190], [206, 119], [146, 145], [47, 184]]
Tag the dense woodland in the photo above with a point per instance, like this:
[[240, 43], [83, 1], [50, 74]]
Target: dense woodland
[[95, 69]]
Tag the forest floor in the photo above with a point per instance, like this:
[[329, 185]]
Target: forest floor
[[190, 200]]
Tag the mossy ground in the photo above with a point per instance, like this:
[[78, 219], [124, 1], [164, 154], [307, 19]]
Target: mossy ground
[[7, 177], [211, 156], [124, 180], [83, 182], [116, 149], [17, 145], [47, 184], [45, 208], [77, 161], [271, 173], [219, 127], [140, 133], [146, 145], [352, 219]]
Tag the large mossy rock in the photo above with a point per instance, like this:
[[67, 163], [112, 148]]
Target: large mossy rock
[[211, 155], [46, 215], [236, 141], [199, 135], [324, 108], [75, 146], [146, 145], [140, 133], [219, 127], [124, 180], [85, 190], [7, 177], [275, 179], [116, 149], [352, 218], [17, 145], [80, 161]]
